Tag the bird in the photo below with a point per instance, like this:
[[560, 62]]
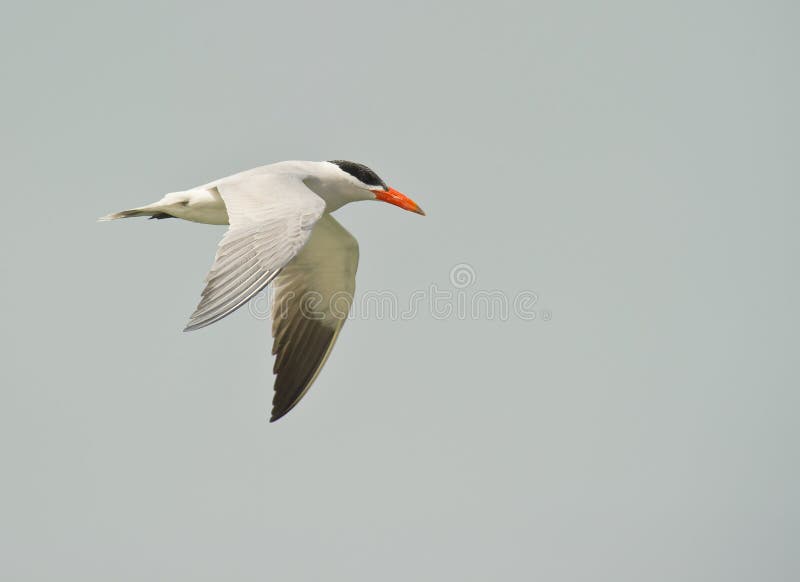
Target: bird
[[281, 231]]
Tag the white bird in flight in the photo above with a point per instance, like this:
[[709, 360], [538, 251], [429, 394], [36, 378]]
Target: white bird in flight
[[281, 229]]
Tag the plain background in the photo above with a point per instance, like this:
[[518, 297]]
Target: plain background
[[633, 163]]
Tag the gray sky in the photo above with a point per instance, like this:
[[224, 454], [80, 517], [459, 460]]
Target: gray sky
[[635, 165]]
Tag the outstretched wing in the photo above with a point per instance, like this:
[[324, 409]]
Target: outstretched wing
[[313, 295], [271, 217]]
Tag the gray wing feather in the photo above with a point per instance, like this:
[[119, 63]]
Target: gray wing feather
[[271, 218]]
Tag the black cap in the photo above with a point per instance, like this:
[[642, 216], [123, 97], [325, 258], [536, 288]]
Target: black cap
[[362, 173]]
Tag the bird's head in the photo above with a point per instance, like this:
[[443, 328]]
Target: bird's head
[[364, 181]]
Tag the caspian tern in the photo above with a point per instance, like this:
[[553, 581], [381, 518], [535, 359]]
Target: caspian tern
[[281, 229]]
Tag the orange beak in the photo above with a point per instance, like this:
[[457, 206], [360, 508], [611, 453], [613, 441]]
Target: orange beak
[[392, 196]]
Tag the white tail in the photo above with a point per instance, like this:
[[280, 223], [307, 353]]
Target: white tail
[[198, 205]]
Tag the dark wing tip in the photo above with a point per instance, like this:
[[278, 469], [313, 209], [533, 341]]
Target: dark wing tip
[[298, 362], [278, 414]]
